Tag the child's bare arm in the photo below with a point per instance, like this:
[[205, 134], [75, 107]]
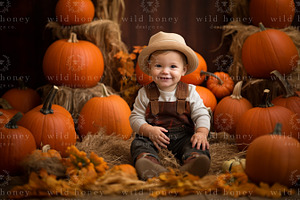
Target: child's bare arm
[[155, 134]]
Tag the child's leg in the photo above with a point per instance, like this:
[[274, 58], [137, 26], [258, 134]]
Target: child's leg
[[145, 158]]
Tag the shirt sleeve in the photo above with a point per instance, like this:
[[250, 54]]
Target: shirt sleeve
[[199, 112], [137, 117]]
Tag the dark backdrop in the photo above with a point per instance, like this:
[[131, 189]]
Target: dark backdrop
[[24, 40]]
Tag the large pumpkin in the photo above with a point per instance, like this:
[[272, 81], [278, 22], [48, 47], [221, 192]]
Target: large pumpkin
[[195, 77], [229, 110], [220, 83], [73, 63], [108, 112], [290, 99], [16, 142], [273, 14], [274, 158], [207, 96], [22, 98], [269, 50], [74, 12], [51, 124], [6, 112], [261, 120]]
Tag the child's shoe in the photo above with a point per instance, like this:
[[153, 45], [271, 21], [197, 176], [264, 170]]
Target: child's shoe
[[197, 164], [148, 167]]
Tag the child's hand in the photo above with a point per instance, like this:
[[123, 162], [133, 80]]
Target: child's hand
[[198, 139], [157, 136]]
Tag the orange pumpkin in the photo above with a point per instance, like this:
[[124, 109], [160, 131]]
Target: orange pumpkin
[[274, 158], [128, 169], [229, 110], [290, 99], [47, 152], [261, 120], [108, 112], [51, 124], [141, 77], [220, 83], [16, 143], [273, 14], [269, 50], [74, 12], [195, 77], [22, 98], [73, 63], [207, 96]]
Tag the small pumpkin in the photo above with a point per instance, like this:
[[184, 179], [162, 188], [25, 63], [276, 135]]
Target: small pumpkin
[[22, 98], [220, 83], [290, 99], [274, 158], [207, 96], [110, 112], [74, 12], [268, 50], [47, 152], [73, 63], [229, 110], [261, 120], [51, 124], [273, 14], [232, 163], [126, 168], [16, 143], [195, 77]]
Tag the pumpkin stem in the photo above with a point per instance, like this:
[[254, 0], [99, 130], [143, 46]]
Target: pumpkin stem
[[73, 38], [21, 84], [284, 84], [12, 124], [261, 26], [105, 92], [4, 104], [213, 75], [266, 99], [236, 94], [46, 148], [277, 129], [47, 106]]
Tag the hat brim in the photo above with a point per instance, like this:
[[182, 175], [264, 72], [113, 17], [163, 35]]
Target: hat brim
[[191, 56]]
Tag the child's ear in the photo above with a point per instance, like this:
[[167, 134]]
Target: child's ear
[[184, 70]]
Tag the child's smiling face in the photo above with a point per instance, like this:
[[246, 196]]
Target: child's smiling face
[[166, 69]]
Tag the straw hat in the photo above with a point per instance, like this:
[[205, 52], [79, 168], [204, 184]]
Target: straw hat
[[167, 41]]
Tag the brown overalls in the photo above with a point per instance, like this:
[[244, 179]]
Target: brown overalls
[[173, 116]]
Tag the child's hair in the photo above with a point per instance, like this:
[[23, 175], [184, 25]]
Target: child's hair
[[184, 58]]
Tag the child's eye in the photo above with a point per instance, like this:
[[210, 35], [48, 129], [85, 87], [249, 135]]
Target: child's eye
[[173, 66], [157, 65]]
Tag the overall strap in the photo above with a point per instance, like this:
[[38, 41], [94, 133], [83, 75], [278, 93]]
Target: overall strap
[[181, 94], [153, 94]]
